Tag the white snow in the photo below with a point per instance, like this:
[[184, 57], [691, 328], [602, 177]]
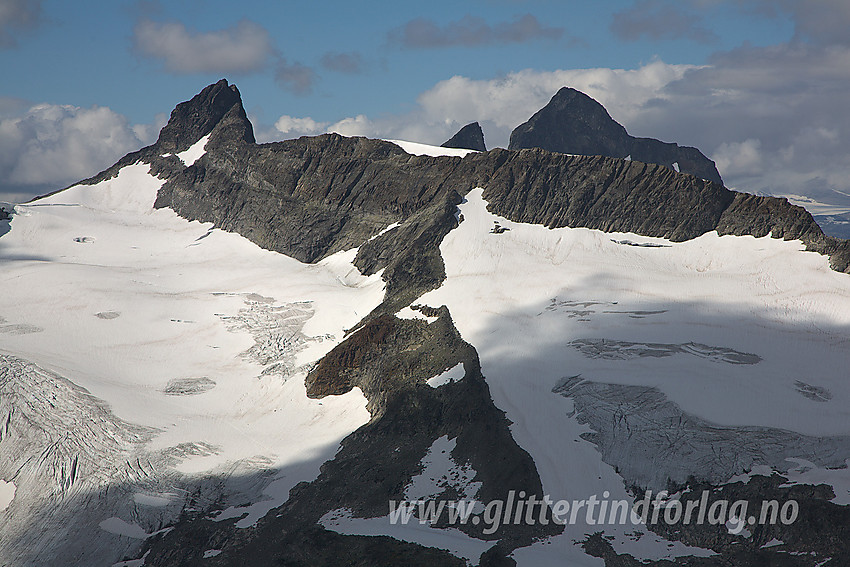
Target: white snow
[[450, 539], [117, 526], [440, 470], [195, 151], [386, 230], [417, 149], [514, 295], [211, 553], [676, 166], [809, 473], [128, 298], [7, 494], [155, 500], [453, 374], [410, 313]]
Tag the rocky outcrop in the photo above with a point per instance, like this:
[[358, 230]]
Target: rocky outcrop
[[574, 123], [470, 137], [218, 107], [557, 190]]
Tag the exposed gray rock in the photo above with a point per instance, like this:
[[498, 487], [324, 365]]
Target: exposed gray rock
[[470, 137], [574, 123], [219, 107]]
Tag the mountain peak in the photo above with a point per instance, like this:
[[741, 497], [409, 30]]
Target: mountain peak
[[574, 123], [470, 137], [218, 107]]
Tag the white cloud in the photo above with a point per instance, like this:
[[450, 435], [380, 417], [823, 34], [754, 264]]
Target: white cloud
[[507, 102], [359, 125], [51, 146], [351, 62], [299, 126], [243, 48], [739, 158], [500, 104], [822, 22]]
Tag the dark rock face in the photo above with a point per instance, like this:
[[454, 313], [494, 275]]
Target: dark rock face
[[470, 137], [217, 106], [217, 110], [574, 123], [557, 190]]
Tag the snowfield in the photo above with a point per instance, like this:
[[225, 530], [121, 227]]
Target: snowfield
[[726, 329], [195, 334]]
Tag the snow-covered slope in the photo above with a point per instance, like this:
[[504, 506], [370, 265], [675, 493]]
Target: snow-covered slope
[[732, 332], [195, 335], [417, 149]]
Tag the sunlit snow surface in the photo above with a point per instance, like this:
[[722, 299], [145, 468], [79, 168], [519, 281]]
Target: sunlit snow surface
[[417, 149], [523, 296], [193, 153], [190, 330], [7, 494]]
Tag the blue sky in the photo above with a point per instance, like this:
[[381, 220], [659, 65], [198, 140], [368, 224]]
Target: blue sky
[[758, 85]]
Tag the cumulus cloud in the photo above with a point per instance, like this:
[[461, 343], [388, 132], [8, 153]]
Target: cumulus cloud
[[471, 31], [51, 146], [739, 158], [351, 62], [243, 48], [15, 16], [358, 125], [660, 19], [299, 126], [295, 77]]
